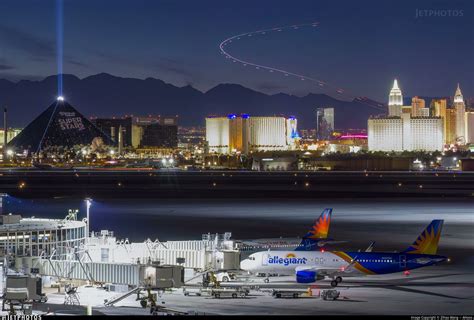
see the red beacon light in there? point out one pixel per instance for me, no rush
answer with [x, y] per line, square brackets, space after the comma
[406, 273]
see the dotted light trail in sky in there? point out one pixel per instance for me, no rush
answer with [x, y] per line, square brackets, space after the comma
[320, 83]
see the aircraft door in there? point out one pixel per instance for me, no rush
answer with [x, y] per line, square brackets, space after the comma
[403, 261]
[265, 258]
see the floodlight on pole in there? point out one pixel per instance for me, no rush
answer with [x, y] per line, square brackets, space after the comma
[88, 206]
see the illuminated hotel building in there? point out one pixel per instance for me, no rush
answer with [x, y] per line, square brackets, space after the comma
[11, 133]
[385, 134]
[438, 109]
[217, 134]
[450, 137]
[246, 134]
[469, 124]
[238, 133]
[324, 123]
[267, 133]
[418, 108]
[460, 108]
[404, 131]
[395, 101]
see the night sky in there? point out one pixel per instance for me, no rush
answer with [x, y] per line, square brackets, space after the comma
[359, 45]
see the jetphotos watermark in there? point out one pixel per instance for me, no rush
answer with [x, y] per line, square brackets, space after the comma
[438, 13]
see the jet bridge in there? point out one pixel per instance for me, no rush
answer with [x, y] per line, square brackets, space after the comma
[157, 276]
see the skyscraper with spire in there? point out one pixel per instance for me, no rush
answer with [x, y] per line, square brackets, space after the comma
[460, 108]
[395, 101]
[402, 131]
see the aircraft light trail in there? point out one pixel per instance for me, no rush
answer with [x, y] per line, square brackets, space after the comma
[286, 73]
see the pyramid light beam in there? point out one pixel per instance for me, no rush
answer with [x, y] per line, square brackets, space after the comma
[59, 44]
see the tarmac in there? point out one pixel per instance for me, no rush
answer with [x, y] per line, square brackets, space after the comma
[428, 291]
[446, 289]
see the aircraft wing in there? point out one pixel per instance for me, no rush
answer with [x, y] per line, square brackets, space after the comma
[328, 272]
[322, 243]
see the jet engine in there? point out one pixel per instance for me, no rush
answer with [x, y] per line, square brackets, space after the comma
[307, 276]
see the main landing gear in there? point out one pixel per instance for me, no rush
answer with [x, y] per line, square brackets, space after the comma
[336, 281]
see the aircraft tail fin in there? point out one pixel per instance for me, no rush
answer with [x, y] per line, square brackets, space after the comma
[320, 228]
[319, 231]
[427, 241]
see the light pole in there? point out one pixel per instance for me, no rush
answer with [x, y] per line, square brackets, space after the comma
[88, 206]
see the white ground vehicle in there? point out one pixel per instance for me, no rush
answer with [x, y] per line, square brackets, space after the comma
[277, 293]
[229, 293]
[330, 294]
[192, 291]
[224, 276]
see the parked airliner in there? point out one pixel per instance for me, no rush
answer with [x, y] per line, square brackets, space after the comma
[315, 238]
[310, 266]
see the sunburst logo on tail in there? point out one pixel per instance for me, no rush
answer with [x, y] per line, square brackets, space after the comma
[427, 241]
[320, 229]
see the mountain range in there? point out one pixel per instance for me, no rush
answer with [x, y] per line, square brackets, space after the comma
[105, 95]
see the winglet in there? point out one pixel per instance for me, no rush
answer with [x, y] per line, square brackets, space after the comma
[370, 247]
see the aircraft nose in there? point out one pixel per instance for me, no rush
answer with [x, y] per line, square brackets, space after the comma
[246, 265]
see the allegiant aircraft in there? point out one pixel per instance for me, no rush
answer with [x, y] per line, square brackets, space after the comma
[310, 266]
[315, 238]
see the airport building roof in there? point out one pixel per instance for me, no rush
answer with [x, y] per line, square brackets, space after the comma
[36, 224]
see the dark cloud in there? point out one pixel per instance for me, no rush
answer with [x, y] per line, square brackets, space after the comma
[76, 63]
[18, 77]
[173, 66]
[26, 42]
[4, 67]
[161, 64]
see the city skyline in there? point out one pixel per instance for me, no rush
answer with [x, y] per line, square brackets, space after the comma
[232, 98]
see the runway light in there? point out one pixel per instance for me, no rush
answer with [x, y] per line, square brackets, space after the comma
[448, 260]
[406, 273]
[60, 98]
